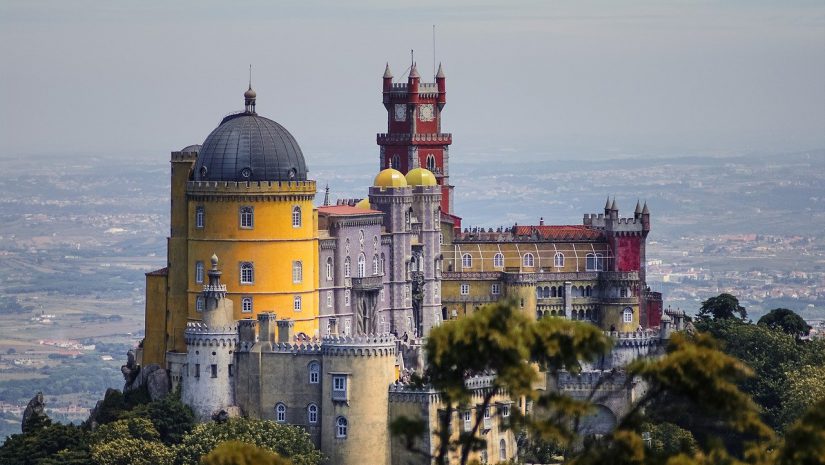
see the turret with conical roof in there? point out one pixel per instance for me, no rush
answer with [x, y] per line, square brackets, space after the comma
[441, 83]
[387, 78]
[637, 213]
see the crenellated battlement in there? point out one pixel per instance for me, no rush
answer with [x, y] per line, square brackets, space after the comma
[413, 139]
[250, 187]
[184, 156]
[586, 380]
[199, 334]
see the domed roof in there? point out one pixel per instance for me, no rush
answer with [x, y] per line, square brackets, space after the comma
[421, 177]
[390, 178]
[248, 147]
[364, 204]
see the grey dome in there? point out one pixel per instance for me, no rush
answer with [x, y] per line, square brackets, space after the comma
[248, 147]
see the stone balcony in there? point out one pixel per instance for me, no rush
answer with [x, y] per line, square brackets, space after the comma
[368, 283]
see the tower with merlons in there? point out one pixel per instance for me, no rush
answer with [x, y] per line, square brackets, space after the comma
[414, 138]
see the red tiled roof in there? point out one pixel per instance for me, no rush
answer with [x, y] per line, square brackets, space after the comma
[343, 210]
[559, 232]
[161, 272]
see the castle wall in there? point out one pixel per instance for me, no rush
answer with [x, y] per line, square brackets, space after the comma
[154, 350]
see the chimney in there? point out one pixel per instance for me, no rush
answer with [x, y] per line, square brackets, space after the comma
[266, 323]
[285, 330]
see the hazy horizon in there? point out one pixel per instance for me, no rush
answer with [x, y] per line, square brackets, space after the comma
[541, 80]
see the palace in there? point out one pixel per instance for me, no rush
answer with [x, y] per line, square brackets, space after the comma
[271, 307]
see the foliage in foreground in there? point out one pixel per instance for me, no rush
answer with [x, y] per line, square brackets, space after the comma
[239, 453]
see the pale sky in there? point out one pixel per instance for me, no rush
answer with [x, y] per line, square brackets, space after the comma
[536, 79]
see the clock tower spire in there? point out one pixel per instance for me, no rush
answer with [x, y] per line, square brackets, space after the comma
[414, 138]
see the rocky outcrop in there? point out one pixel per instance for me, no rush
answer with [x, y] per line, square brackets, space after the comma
[35, 413]
[154, 378]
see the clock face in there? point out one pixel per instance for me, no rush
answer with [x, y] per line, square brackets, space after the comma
[425, 112]
[401, 112]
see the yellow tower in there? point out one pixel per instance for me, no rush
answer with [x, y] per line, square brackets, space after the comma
[247, 200]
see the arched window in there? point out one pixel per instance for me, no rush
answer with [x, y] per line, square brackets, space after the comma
[246, 304]
[296, 216]
[588, 291]
[431, 162]
[297, 271]
[383, 265]
[558, 260]
[375, 264]
[314, 372]
[498, 260]
[528, 260]
[466, 261]
[553, 292]
[546, 291]
[312, 414]
[329, 268]
[347, 267]
[296, 303]
[346, 297]
[199, 303]
[395, 162]
[329, 298]
[341, 428]
[590, 262]
[198, 272]
[280, 413]
[502, 450]
[247, 273]
[362, 266]
[627, 315]
[247, 217]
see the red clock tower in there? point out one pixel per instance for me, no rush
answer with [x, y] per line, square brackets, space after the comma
[414, 138]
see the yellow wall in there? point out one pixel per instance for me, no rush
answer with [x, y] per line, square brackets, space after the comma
[271, 245]
[155, 321]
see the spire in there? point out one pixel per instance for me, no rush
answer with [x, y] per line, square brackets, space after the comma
[645, 210]
[326, 191]
[638, 207]
[387, 72]
[215, 289]
[249, 96]
[440, 73]
[607, 203]
[414, 71]
[613, 205]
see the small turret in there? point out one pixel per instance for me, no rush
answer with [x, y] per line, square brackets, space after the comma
[638, 212]
[412, 84]
[645, 218]
[607, 207]
[441, 82]
[387, 78]
[614, 209]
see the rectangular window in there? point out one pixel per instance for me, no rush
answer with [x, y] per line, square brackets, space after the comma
[229, 370]
[214, 369]
[465, 289]
[346, 297]
[296, 303]
[246, 217]
[347, 327]
[199, 304]
[339, 387]
[197, 370]
[505, 411]
[199, 217]
[247, 273]
[297, 271]
[329, 298]
[199, 272]
[495, 289]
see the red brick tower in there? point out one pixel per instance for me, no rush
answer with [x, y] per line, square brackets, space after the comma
[414, 138]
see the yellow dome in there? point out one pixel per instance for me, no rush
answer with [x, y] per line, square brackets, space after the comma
[421, 177]
[390, 178]
[363, 204]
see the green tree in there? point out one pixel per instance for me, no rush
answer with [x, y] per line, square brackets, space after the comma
[722, 307]
[171, 417]
[805, 387]
[291, 442]
[500, 340]
[131, 451]
[134, 428]
[787, 321]
[46, 442]
[805, 440]
[239, 453]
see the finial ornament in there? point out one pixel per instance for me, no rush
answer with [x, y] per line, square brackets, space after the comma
[249, 96]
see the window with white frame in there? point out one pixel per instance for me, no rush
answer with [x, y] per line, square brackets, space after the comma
[200, 217]
[297, 271]
[468, 416]
[339, 387]
[347, 267]
[314, 372]
[505, 411]
[346, 297]
[487, 413]
[296, 216]
[329, 298]
[362, 266]
[465, 289]
[383, 265]
[329, 268]
[592, 262]
[296, 303]
[528, 260]
[247, 273]
[198, 272]
[466, 261]
[375, 265]
[495, 289]
[247, 217]
[431, 162]
[502, 450]
[484, 456]
[347, 327]
[199, 304]
[312, 414]
[280, 413]
[558, 260]
[627, 315]
[341, 428]
[498, 260]
[440, 238]
[246, 304]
